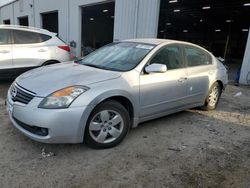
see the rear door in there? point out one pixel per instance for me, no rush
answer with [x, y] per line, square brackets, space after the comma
[5, 49]
[199, 69]
[161, 92]
[29, 49]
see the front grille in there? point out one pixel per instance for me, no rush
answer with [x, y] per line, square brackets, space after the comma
[19, 94]
[33, 129]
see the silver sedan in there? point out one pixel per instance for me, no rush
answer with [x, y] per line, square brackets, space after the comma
[100, 97]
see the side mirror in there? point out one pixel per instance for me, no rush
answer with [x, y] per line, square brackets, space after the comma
[156, 68]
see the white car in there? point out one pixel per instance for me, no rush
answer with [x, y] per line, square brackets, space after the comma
[23, 48]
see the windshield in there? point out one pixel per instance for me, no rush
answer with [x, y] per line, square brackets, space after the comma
[122, 56]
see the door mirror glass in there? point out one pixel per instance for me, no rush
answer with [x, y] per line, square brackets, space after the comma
[156, 68]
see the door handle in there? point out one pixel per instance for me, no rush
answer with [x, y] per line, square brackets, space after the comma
[182, 79]
[41, 50]
[4, 51]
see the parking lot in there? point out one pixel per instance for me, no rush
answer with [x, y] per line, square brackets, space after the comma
[189, 149]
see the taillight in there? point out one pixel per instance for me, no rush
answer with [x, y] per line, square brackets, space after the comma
[66, 48]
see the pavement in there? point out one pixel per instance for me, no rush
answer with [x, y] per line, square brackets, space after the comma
[192, 148]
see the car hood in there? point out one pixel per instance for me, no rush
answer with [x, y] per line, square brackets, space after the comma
[46, 80]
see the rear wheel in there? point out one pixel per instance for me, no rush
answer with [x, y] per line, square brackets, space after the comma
[213, 97]
[107, 125]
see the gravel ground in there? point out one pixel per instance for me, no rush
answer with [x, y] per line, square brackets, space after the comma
[188, 149]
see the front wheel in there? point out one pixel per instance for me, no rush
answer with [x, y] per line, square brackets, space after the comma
[107, 125]
[213, 97]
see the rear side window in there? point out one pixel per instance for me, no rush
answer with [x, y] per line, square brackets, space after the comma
[197, 57]
[4, 36]
[170, 56]
[44, 37]
[27, 37]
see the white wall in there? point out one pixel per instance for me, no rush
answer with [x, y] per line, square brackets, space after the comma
[125, 19]
[7, 13]
[33, 9]
[45, 6]
[17, 9]
[245, 68]
[148, 18]
[23, 8]
[5, 2]
[136, 19]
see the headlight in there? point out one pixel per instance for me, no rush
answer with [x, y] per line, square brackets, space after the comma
[62, 98]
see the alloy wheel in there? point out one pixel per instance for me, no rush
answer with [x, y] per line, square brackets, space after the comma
[106, 126]
[213, 96]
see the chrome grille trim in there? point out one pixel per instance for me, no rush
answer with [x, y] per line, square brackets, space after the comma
[22, 95]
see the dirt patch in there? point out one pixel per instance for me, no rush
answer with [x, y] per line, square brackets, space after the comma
[188, 149]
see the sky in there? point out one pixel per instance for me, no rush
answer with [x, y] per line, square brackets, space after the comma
[2, 2]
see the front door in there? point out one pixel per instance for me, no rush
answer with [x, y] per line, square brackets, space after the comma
[161, 92]
[28, 51]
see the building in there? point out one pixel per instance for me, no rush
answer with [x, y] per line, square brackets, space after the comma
[220, 26]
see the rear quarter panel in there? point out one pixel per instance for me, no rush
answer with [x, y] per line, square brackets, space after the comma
[54, 52]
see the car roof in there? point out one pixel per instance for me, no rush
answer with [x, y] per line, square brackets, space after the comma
[27, 28]
[153, 41]
[156, 41]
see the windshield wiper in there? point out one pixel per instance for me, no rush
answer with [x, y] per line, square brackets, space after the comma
[91, 65]
[99, 67]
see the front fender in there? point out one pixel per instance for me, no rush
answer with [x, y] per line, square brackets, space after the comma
[118, 93]
[102, 97]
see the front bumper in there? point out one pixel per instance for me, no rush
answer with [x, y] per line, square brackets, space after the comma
[63, 125]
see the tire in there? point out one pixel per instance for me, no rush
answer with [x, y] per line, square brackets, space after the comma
[248, 78]
[213, 97]
[107, 125]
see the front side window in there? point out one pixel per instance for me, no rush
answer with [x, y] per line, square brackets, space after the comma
[4, 36]
[122, 56]
[27, 37]
[169, 56]
[196, 57]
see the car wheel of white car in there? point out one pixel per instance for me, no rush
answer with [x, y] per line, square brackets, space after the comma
[213, 96]
[107, 125]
